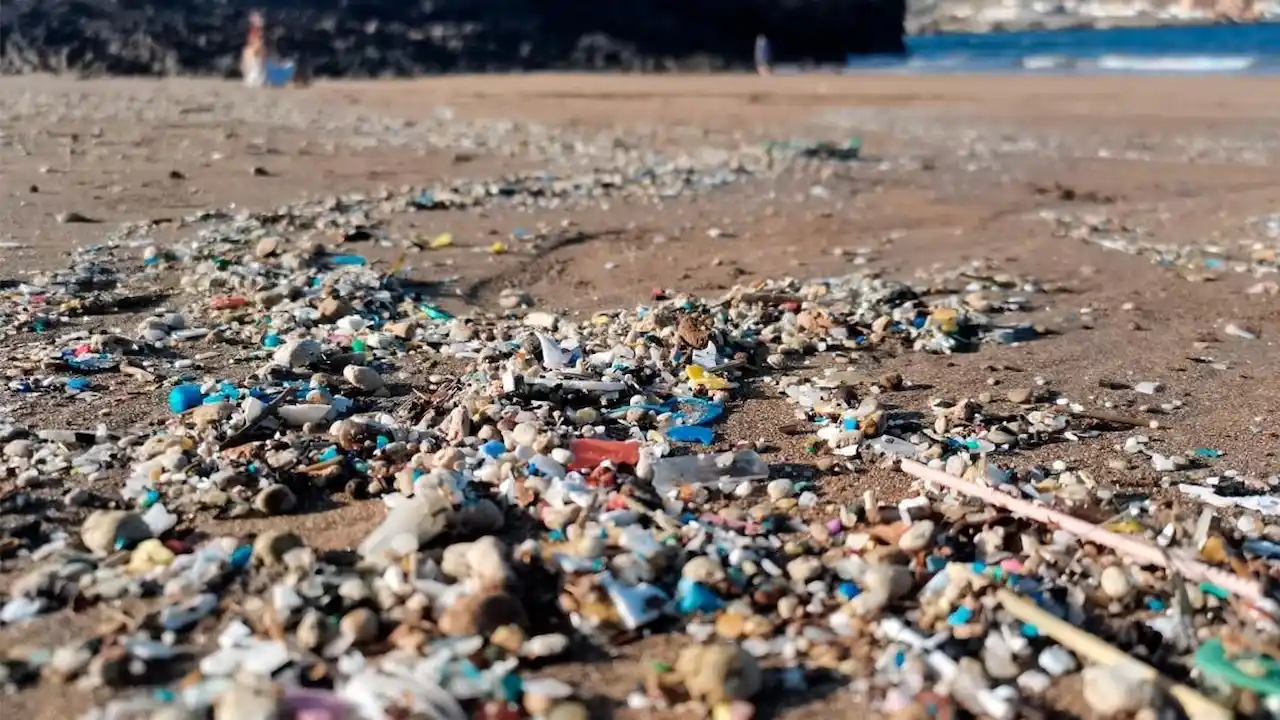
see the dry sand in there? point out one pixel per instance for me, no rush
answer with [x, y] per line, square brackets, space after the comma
[956, 169]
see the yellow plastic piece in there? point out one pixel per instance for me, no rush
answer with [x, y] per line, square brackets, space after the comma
[1127, 526]
[149, 554]
[945, 319]
[699, 377]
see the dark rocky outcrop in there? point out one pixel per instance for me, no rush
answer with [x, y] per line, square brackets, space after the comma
[403, 37]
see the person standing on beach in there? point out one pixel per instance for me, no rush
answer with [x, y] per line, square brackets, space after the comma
[764, 59]
[253, 58]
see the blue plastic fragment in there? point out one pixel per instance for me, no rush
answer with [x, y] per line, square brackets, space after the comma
[848, 590]
[184, 397]
[1261, 548]
[78, 384]
[1018, 333]
[89, 362]
[695, 597]
[696, 411]
[493, 448]
[436, 313]
[164, 695]
[736, 575]
[151, 497]
[692, 434]
[684, 410]
[512, 687]
[241, 556]
[347, 260]
[1215, 591]
[960, 616]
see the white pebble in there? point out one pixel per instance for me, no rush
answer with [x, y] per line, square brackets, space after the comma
[780, 488]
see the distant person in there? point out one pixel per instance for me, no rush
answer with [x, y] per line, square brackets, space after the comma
[258, 65]
[764, 56]
[253, 59]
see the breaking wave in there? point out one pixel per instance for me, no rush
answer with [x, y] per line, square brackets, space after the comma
[1191, 50]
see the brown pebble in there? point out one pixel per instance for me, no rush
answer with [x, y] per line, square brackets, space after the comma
[105, 530]
[360, 626]
[482, 613]
[508, 637]
[891, 381]
[267, 246]
[270, 547]
[408, 637]
[275, 500]
[730, 625]
[715, 673]
[757, 626]
[1019, 395]
[568, 710]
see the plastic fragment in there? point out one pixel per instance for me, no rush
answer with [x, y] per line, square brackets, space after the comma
[185, 397]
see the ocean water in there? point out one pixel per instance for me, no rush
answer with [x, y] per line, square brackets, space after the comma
[1186, 49]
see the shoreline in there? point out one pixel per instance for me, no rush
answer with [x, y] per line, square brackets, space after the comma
[969, 26]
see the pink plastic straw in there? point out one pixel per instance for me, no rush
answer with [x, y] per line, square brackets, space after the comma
[1142, 552]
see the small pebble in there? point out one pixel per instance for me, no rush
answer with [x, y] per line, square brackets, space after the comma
[917, 537]
[363, 378]
[780, 488]
[1057, 661]
[275, 499]
[1115, 582]
[1111, 690]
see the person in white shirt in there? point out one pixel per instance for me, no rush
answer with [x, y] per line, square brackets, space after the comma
[764, 61]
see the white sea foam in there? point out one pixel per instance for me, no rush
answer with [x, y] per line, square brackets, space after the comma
[1058, 63]
[1177, 63]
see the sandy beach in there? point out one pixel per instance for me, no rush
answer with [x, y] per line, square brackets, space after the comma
[1036, 177]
